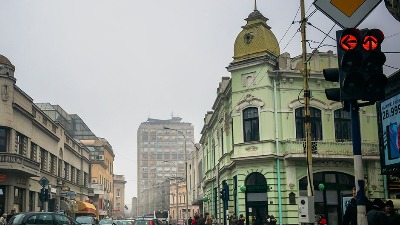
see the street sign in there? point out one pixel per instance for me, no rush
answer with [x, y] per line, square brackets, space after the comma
[345, 13]
[43, 181]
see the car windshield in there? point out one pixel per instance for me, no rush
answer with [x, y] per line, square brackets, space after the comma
[84, 219]
[16, 219]
[142, 222]
[105, 222]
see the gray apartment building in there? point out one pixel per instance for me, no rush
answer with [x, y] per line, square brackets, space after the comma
[161, 148]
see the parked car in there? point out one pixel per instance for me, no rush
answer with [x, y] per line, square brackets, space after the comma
[106, 222]
[86, 220]
[123, 222]
[42, 218]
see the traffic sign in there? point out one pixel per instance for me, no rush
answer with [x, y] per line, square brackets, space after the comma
[43, 181]
[345, 13]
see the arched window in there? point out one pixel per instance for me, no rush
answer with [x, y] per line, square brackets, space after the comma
[316, 123]
[250, 125]
[256, 179]
[342, 121]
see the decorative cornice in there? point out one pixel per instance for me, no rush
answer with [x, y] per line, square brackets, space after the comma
[251, 148]
[249, 100]
[313, 102]
[332, 164]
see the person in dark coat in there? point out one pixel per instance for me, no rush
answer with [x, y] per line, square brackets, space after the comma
[11, 214]
[241, 220]
[190, 221]
[376, 216]
[350, 215]
[392, 216]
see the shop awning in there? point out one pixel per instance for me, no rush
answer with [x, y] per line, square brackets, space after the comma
[85, 207]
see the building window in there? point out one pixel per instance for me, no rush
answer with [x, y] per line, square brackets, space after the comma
[33, 153]
[78, 174]
[43, 159]
[3, 139]
[53, 164]
[20, 144]
[118, 192]
[60, 168]
[66, 171]
[342, 125]
[250, 125]
[316, 123]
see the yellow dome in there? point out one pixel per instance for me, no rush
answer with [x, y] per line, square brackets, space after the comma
[256, 39]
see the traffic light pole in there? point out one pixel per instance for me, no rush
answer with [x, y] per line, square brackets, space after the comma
[358, 165]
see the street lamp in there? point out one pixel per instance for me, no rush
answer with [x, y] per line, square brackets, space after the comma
[186, 173]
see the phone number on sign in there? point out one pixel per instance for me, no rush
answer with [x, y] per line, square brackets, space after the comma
[392, 111]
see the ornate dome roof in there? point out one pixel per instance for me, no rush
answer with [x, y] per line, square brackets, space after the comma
[256, 39]
[5, 61]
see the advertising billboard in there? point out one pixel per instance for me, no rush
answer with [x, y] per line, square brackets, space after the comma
[388, 112]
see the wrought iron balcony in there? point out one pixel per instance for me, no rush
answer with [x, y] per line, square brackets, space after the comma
[327, 147]
[10, 161]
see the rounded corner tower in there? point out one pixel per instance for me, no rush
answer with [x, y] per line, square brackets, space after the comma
[6, 67]
[256, 39]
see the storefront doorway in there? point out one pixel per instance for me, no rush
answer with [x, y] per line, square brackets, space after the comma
[330, 201]
[256, 199]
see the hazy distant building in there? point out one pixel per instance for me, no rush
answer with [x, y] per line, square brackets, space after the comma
[134, 210]
[119, 196]
[161, 154]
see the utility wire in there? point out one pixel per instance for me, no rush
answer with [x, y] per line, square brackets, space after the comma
[321, 31]
[321, 42]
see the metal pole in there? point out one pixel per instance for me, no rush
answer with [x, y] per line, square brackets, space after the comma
[186, 177]
[177, 207]
[358, 165]
[307, 95]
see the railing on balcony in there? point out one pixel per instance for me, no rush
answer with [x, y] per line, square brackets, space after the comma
[327, 147]
[6, 157]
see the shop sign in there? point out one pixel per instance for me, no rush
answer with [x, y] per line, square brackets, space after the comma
[3, 177]
[91, 192]
[257, 188]
[53, 190]
[102, 212]
[68, 193]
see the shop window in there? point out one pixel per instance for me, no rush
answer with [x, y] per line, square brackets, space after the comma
[250, 125]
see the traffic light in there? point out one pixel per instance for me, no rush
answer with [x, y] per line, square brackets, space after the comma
[332, 74]
[46, 195]
[42, 195]
[222, 194]
[361, 65]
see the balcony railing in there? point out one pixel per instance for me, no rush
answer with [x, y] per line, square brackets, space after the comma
[19, 159]
[326, 147]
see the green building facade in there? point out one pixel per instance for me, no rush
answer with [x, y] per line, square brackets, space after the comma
[253, 139]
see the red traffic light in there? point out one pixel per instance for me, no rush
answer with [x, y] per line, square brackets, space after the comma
[349, 39]
[372, 39]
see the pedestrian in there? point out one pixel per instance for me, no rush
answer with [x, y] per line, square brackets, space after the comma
[267, 220]
[209, 220]
[190, 221]
[392, 216]
[253, 220]
[201, 220]
[195, 218]
[272, 220]
[241, 220]
[233, 220]
[376, 216]
[3, 219]
[11, 214]
[322, 220]
[350, 215]
[214, 220]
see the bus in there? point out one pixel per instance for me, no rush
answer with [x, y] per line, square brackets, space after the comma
[163, 216]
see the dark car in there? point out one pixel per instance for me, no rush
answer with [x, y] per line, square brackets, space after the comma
[42, 218]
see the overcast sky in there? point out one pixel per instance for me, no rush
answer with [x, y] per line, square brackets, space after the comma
[116, 63]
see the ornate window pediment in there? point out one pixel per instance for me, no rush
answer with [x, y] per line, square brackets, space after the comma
[247, 101]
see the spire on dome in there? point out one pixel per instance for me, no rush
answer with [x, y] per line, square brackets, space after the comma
[255, 5]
